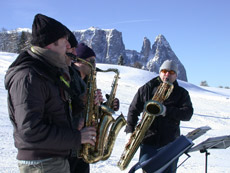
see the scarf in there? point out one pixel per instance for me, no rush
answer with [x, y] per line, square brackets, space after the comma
[53, 58]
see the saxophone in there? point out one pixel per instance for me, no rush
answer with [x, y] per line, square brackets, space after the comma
[152, 109]
[107, 111]
[101, 118]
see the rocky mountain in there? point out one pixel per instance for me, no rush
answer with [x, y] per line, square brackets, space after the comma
[15, 41]
[108, 46]
[160, 52]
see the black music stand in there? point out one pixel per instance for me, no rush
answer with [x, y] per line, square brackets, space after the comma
[197, 132]
[159, 162]
[221, 142]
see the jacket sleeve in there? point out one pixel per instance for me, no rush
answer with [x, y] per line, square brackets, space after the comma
[184, 109]
[135, 109]
[29, 97]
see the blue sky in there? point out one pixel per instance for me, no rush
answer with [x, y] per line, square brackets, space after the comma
[198, 31]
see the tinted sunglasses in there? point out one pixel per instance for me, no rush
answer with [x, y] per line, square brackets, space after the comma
[92, 61]
[170, 71]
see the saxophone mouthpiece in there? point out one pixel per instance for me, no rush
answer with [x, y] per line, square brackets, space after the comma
[72, 56]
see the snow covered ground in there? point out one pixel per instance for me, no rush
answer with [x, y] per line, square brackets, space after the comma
[211, 108]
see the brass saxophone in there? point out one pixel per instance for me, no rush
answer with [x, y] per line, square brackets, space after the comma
[101, 118]
[153, 108]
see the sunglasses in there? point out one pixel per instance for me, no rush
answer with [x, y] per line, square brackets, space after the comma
[170, 71]
[92, 61]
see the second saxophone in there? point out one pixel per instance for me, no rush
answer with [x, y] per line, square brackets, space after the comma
[101, 118]
[152, 109]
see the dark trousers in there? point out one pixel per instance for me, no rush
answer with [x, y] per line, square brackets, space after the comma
[147, 151]
[78, 165]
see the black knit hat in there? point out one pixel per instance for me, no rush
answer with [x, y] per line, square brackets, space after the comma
[72, 39]
[83, 51]
[46, 30]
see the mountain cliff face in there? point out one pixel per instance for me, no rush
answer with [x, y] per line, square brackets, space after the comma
[160, 52]
[108, 46]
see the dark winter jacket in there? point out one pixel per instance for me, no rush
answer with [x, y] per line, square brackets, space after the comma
[79, 87]
[38, 109]
[163, 129]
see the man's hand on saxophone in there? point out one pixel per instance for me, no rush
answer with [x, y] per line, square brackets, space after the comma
[80, 123]
[98, 97]
[115, 103]
[88, 135]
[100, 100]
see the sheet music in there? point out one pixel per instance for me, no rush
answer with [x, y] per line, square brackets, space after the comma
[197, 132]
[221, 142]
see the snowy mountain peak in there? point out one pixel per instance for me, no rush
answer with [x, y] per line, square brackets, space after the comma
[20, 30]
[160, 52]
[93, 28]
[162, 42]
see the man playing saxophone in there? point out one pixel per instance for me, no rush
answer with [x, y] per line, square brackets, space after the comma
[82, 68]
[165, 128]
[86, 53]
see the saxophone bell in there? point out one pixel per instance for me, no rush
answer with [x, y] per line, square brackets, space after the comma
[153, 107]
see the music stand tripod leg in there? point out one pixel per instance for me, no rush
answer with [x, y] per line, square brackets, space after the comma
[206, 158]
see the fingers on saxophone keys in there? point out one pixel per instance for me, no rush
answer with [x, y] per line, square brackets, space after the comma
[92, 135]
[91, 140]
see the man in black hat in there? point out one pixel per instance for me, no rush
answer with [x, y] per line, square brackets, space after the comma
[87, 54]
[39, 101]
[165, 127]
